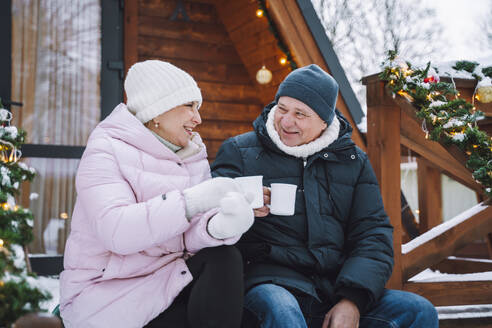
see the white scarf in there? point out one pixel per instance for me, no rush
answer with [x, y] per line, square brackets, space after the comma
[303, 151]
[194, 147]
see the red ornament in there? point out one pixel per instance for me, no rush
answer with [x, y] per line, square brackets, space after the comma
[431, 79]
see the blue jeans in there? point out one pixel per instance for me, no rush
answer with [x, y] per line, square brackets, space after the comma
[272, 306]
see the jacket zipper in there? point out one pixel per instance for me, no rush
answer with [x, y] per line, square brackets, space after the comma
[185, 255]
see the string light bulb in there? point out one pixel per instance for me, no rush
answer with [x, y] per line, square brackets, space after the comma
[64, 215]
[283, 61]
[484, 94]
[1, 242]
[259, 13]
[263, 76]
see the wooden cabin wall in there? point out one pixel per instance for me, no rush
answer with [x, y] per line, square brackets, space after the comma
[202, 47]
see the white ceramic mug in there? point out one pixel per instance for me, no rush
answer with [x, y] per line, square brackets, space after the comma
[283, 199]
[254, 185]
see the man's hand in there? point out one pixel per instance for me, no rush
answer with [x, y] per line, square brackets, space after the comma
[263, 211]
[344, 314]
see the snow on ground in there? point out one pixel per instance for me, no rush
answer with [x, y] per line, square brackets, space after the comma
[52, 285]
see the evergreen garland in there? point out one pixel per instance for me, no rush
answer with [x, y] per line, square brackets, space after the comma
[276, 34]
[446, 117]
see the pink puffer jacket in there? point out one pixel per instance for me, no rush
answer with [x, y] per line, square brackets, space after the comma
[124, 257]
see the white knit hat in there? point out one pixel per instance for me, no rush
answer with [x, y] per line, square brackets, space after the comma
[153, 87]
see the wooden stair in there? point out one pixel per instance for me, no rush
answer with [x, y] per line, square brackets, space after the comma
[393, 124]
[465, 316]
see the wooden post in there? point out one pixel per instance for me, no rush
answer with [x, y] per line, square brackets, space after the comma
[489, 244]
[430, 195]
[383, 146]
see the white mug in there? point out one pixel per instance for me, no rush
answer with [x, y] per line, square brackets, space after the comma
[254, 185]
[283, 199]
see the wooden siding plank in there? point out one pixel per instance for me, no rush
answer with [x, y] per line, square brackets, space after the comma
[255, 28]
[197, 12]
[225, 73]
[246, 113]
[212, 147]
[224, 92]
[235, 14]
[180, 30]
[221, 130]
[130, 34]
[191, 50]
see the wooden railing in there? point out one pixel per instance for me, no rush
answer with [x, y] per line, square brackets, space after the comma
[392, 124]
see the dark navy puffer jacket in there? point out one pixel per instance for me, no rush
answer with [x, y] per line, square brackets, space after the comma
[339, 241]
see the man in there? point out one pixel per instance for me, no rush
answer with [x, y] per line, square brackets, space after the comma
[327, 265]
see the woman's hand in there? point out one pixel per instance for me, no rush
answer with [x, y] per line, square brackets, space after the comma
[265, 210]
[234, 218]
[208, 194]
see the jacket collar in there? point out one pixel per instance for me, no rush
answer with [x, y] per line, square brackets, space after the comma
[303, 151]
[124, 126]
[342, 142]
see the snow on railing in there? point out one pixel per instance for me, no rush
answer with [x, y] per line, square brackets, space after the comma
[440, 229]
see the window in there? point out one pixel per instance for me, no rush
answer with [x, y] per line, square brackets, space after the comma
[66, 75]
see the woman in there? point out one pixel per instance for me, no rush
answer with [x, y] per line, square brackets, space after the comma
[142, 248]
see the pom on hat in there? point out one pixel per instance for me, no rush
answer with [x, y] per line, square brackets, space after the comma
[153, 87]
[314, 87]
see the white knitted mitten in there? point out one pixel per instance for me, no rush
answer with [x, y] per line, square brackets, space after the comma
[234, 218]
[207, 195]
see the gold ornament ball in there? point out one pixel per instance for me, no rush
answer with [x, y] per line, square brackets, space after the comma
[484, 94]
[263, 76]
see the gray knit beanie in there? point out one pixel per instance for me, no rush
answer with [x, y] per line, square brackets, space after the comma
[153, 87]
[314, 87]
